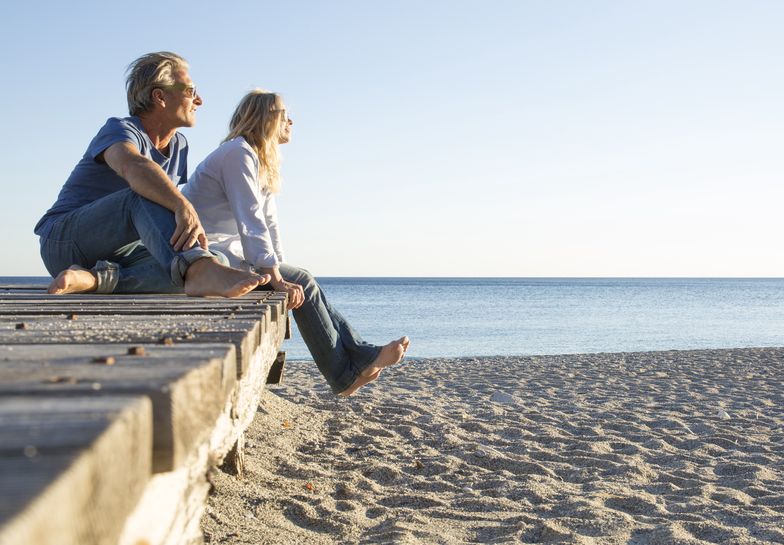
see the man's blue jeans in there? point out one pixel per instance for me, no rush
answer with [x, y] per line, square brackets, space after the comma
[339, 352]
[124, 238]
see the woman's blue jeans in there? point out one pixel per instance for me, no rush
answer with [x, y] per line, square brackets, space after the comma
[339, 352]
[124, 239]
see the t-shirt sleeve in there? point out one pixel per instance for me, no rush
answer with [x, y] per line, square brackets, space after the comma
[115, 130]
[182, 166]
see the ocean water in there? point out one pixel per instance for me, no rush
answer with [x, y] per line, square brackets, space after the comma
[526, 316]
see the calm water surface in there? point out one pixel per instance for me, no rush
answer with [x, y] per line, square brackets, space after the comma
[523, 316]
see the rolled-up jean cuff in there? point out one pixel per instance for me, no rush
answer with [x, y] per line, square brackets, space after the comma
[353, 371]
[108, 274]
[183, 260]
[220, 257]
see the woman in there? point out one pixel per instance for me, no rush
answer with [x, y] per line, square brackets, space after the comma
[233, 192]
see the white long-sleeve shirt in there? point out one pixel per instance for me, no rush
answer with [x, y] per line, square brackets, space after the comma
[240, 218]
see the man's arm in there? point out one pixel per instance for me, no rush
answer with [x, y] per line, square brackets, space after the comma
[148, 179]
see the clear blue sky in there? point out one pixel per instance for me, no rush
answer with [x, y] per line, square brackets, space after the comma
[444, 138]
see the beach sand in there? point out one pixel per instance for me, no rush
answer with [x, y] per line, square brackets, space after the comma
[680, 447]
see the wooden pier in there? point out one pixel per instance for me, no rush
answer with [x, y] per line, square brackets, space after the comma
[114, 408]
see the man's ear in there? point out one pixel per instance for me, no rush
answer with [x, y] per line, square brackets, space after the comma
[158, 97]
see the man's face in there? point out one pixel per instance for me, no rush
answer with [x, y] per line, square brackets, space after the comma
[182, 100]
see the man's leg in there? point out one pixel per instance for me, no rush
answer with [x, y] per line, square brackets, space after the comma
[92, 235]
[88, 234]
[140, 272]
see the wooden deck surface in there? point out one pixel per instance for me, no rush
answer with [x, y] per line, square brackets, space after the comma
[113, 407]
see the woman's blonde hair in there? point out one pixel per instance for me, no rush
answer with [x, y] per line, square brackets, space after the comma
[258, 118]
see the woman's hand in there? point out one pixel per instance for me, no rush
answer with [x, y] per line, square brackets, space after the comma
[296, 296]
[294, 291]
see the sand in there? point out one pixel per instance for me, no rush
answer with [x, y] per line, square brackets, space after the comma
[681, 447]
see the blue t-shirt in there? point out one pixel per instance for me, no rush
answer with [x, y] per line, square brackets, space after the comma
[92, 180]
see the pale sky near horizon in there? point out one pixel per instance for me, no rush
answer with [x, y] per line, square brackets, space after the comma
[444, 138]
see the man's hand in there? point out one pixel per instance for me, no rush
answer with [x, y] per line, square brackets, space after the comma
[189, 230]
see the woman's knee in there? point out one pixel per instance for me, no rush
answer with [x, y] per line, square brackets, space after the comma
[300, 277]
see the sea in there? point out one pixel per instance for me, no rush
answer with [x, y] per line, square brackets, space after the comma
[464, 317]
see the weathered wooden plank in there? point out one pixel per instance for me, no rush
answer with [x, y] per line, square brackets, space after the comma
[189, 385]
[245, 343]
[24, 283]
[126, 299]
[116, 302]
[6, 289]
[71, 469]
[171, 508]
[116, 328]
[193, 427]
[142, 322]
[244, 334]
[102, 309]
[16, 303]
[173, 504]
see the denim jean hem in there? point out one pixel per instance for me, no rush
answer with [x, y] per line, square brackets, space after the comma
[346, 379]
[352, 372]
[376, 350]
[182, 261]
[108, 275]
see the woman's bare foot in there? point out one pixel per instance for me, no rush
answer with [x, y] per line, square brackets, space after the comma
[207, 277]
[390, 354]
[74, 279]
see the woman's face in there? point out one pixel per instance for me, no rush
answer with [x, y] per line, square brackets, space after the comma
[285, 127]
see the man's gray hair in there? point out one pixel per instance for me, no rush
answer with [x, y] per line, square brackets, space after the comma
[148, 72]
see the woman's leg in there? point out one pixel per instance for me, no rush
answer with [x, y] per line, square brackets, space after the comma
[339, 352]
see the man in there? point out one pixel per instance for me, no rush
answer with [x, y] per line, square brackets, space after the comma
[119, 223]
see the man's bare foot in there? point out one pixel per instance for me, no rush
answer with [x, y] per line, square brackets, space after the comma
[207, 277]
[390, 354]
[74, 279]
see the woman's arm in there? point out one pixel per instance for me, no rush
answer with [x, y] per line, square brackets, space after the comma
[247, 202]
[239, 178]
[271, 214]
[278, 283]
